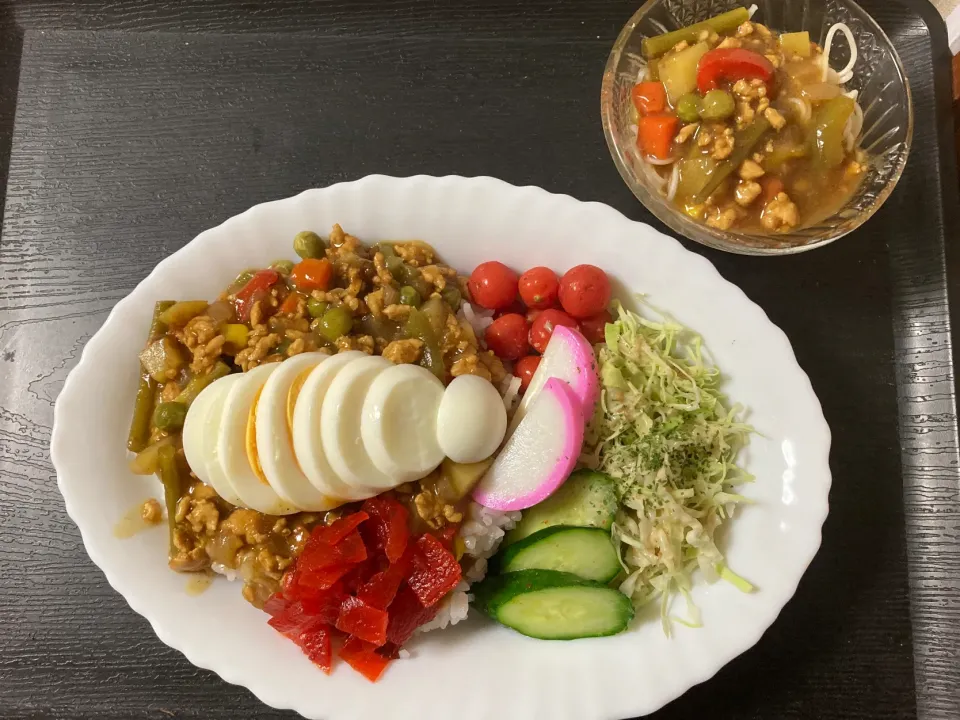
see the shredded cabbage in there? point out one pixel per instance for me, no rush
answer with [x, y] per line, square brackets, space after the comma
[663, 432]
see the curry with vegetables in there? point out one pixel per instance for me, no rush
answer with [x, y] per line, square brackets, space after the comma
[392, 299]
[746, 129]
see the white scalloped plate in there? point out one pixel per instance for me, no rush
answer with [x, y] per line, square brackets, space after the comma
[482, 670]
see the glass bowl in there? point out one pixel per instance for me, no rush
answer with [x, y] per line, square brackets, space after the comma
[879, 78]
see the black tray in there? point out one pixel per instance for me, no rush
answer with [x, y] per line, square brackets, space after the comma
[140, 124]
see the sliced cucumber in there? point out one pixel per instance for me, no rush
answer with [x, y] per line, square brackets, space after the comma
[583, 551]
[552, 605]
[587, 499]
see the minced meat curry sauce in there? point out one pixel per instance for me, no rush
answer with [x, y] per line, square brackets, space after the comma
[743, 128]
[393, 299]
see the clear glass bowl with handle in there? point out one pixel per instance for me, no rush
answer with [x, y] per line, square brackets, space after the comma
[878, 77]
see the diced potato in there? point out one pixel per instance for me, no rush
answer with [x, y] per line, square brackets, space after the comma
[161, 357]
[797, 43]
[678, 71]
[235, 336]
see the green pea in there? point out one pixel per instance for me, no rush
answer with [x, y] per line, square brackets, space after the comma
[282, 266]
[717, 105]
[688, 108]
[452, 296]
[335, 323]
[308, 244]
[410, 296]
[316, 308]
[170, 415]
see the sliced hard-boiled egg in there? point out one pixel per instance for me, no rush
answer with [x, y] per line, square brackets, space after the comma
[308, 427]
[200, 432]
[340, 425]
[471, 420]
[399, 422]
[237, 444]
[274, 421]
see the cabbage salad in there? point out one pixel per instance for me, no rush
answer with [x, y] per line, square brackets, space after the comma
[663, 432]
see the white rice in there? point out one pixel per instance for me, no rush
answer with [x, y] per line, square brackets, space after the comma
[510, 391]
[481, 534]
[478, 318]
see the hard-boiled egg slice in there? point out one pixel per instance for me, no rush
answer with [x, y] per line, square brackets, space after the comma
[399, 422]
[274, 420]
[200, 432]
[237, 444]
[340, 425]
[308, 426]
[471, 421]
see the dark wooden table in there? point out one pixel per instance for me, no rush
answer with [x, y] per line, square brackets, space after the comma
[137, 125]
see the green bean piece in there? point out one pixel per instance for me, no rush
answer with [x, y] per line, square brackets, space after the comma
[142, 412]
[172, 486]
[242, 279]
[386, 249]
[308, 244]
[395, 265]
[170, 415]
[316, 308]
[826, 140]
[717, 105]
[725, 23]
[688, 108]
[284, 346]
[451, 294]
[409, 296]
[158, 328]
[746, 140]
[418, 326]
[199, 382]
[335, 323]
[284, 267]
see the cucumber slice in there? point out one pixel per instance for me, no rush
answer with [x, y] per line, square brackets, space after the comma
[585, 552]
[587, 499]
[551, 605]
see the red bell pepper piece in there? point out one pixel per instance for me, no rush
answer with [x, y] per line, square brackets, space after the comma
[275, 604]
[388, 529]
[380, 589]
[448, 535]
[337, 531]
[256, 289]
[294, 620]
[290, 303]
[364, 658]
[312, 274]
[318, 555]
[323, 579]
[361, 573]
[363, 621]
[649, 98]
[732, 64]
[406, 615]
[435, 571]
[655, 134]
[315, 644]
[325, 604]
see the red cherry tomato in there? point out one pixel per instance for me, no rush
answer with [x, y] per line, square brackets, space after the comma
[593, 328]
[507, 336]
[493, 285]
[516, 307]
[543, 326]
[525, 368]
[538, 288]
[584, 291]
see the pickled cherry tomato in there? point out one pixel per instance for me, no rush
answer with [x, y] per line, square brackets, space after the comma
[543, 326]
[538, 288]
[507, 336]
[584, 291]
[493, 285]
[525, 368]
